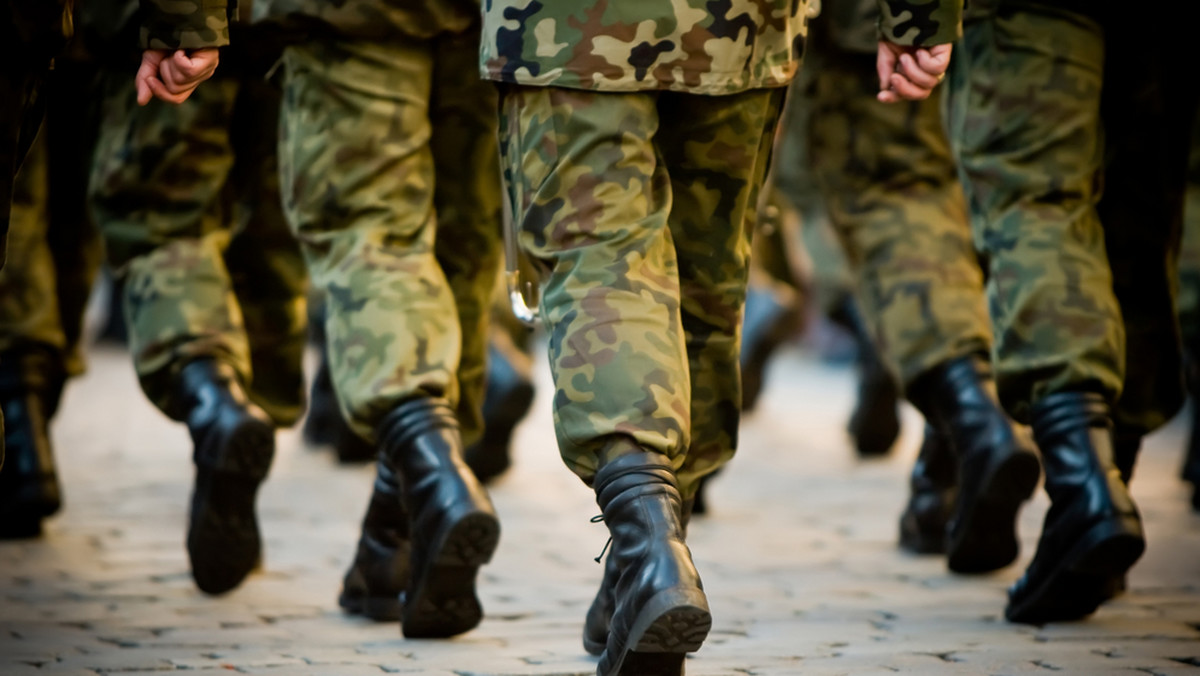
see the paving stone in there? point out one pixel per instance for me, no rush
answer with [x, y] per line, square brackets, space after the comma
[798, 558]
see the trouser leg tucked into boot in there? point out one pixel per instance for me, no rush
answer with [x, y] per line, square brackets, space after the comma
[997, 471]
[234, 444]
[933, 482]
[30, 384]
[380, 572]
[454, 529]
[659, 611]
[1092, 533]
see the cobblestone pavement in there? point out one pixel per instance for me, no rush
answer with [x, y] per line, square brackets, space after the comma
[798, 558]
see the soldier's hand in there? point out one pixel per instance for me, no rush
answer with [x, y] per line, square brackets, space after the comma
[910, 72]
[173, 75]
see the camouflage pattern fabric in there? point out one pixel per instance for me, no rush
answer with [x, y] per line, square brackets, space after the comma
[1035, 141]
[375, 20]
[56, 249]
[186, 24]
[187, 199]
[920, 23]
[695, 46]
[640, 207]
[891, 189]
[391, 182]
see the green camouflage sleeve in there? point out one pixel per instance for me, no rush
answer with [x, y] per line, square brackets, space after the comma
[920, 23]
[186, 24]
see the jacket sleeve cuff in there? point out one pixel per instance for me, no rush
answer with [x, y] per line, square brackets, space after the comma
[920, 23]
[204, 24]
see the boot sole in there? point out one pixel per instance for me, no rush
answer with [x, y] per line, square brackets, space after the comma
[986, 540]
[441, 602]
[1092, 572]
[374, 608]
[224, 544]
[670, 625]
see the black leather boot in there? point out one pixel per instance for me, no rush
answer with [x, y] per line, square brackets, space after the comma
[599, 614]
[660, 612]
[508, 397]
[997, 471]
[772, 315]
[454, 529]
[31, 383]
[934, 486]
[324, 424]
[380, 573]
[875, 421]
[234, 444]
[1092, 533]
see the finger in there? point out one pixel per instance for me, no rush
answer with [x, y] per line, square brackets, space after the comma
[174, 80]
[166, 95]
[887, 97]
[885, 65]
[932, 62]
[146, 71]
[906, 89]
[187, 66]
[910, 69]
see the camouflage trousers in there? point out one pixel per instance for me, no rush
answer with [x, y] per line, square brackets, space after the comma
[1043, 125]
[644, 229]
[1189, 256]
[391, 181]
[187, 199]
[55, 249]
[890, 186]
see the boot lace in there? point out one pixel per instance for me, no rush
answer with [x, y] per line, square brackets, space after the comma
[599, 518]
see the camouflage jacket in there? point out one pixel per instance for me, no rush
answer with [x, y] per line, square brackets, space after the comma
[697, 46]
[186, 24]
[369, 19]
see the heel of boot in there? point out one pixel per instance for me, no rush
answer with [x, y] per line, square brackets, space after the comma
[672, 622]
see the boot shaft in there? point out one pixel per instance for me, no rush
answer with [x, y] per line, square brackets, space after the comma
[1074, 432]
[421, 442]
[958, 398]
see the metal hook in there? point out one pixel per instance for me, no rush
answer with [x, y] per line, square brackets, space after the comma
[512, 278]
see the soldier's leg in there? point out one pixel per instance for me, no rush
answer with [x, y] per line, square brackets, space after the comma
[713, 212]
[358, 179]
[619, 362]
[591, 190]
[891, 187]
[1149, 112]
[468, 203]
[32, 357]
[264, 260]
[156, 191]
[43, 292]
[494, 388]
[874, 423]
[1025, 124]
[1188, 301]
[776, 291]
[73, 117]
